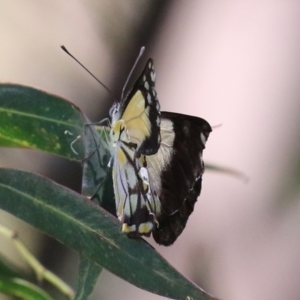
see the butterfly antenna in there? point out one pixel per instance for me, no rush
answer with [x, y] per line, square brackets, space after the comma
[132, 69]
[105, 87]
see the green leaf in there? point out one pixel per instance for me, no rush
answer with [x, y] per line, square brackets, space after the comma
[22, 289]
[95, 183]
[228, 171]
[97, 176]
[92, 232]
[8, 269]
[88, 275]
[34, 119]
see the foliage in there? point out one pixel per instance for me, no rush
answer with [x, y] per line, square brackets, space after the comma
[37, 120]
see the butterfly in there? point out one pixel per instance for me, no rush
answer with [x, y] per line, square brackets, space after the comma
[157, 162]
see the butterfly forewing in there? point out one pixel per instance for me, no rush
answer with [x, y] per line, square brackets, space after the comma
[140, 111]
[135, 132]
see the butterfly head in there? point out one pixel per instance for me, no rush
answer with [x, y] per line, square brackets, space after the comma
[113, 112]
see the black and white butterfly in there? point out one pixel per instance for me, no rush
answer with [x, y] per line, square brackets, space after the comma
[157, 162]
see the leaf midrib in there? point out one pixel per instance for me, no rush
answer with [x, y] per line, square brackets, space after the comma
[34, 116]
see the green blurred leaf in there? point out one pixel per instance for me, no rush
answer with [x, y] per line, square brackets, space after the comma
[22, 289]
[227, 171]
[34, 119]
[8, 269]
[92, 232]
[88, 275]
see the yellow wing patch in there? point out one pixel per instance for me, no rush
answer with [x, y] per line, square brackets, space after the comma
[127, 229]
[135, 107]
[121, 157]
[145, 228]
[137, 120]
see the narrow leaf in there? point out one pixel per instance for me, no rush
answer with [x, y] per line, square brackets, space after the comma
[97, 175]
[88, 275]
[30, 118]
[228, 171]
[92, 232]
[22, 289]
[94, 184]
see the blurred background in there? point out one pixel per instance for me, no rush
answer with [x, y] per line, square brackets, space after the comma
[232, 62]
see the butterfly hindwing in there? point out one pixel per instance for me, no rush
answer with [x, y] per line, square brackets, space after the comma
[176, 172]
[132, 193]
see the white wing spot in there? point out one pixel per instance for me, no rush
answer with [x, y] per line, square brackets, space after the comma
[143, 173]
[153, 76]
[144, 78]
[150, 65]
[146, 85]
[157, 120]
[149, 98]
[203, 139]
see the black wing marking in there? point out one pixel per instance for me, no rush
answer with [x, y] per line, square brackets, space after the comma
[146, 85]
[181, 174]
[132, 193]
